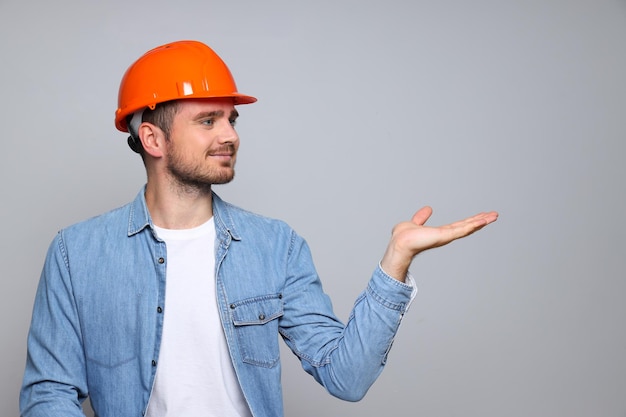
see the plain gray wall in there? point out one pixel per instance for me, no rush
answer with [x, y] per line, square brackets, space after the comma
[367, 110]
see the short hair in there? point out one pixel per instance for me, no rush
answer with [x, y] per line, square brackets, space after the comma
[162, 116]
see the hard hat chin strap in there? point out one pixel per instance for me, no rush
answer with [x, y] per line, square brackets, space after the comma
[133, 128]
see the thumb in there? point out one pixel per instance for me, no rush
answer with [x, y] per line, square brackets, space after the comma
[422, 215]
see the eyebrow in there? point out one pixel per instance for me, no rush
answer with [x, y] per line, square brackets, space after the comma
[216, 113]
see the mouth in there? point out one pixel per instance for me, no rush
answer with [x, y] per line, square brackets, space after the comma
[226, 153]
[227, 159]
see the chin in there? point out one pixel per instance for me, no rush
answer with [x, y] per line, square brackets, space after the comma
[223, 179]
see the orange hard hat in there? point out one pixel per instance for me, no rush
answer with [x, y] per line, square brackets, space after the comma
[177, 70]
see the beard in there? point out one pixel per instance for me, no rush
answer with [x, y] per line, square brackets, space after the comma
[198, 177]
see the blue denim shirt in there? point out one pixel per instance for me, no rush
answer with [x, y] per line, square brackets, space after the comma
[98, 315]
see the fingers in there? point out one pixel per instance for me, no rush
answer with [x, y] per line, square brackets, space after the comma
[484, 218]
[477, 219]
[472, 224]
[480, 219]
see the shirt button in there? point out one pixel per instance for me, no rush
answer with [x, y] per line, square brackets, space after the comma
[161, 260]
[159, 310]
[153, 363]
[261, 316]
[232, 306]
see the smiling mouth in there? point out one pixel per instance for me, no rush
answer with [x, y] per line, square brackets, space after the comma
[225, 152]
[222, 155]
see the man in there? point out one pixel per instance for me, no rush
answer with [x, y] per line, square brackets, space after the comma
[173, 304]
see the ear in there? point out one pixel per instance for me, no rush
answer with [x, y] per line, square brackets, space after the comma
[152, 139]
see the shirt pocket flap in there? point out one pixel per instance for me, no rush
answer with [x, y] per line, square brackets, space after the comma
[257, 310]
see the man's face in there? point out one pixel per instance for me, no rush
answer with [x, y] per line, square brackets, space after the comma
[203, 143]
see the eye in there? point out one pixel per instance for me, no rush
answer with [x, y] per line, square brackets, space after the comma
[208, 122]
[233, 122]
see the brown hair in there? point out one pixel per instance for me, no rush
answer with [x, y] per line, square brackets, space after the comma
[162, 116]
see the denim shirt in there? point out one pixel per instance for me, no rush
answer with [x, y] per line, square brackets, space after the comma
[98, 315]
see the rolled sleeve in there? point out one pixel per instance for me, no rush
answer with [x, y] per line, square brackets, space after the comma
[390, 292]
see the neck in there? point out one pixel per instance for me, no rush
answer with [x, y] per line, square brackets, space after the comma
[174, 206]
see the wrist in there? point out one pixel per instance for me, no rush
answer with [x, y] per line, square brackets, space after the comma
[395, 265]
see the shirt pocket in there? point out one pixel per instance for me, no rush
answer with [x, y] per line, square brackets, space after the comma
[256, 327]
[110, 331]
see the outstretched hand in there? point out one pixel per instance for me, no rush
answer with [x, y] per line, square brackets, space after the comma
[412, 237]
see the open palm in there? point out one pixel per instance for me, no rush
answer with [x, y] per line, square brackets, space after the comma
[412, 237]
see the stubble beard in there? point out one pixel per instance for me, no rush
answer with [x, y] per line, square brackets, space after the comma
[194, 178]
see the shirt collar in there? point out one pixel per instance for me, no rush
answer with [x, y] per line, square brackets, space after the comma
[139, 217]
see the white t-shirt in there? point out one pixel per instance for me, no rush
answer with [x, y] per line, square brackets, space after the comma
[195, 375]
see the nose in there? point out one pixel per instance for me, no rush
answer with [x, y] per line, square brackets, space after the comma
[228, 134]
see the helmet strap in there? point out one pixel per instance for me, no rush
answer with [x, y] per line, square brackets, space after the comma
[133, 128]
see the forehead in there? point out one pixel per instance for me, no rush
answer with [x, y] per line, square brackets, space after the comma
[191, 107]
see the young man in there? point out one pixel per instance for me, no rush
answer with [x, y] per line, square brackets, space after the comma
[173, 304]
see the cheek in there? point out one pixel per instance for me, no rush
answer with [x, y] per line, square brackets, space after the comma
[184, 154]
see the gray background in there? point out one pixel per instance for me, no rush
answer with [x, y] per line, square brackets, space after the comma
[367, 110]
